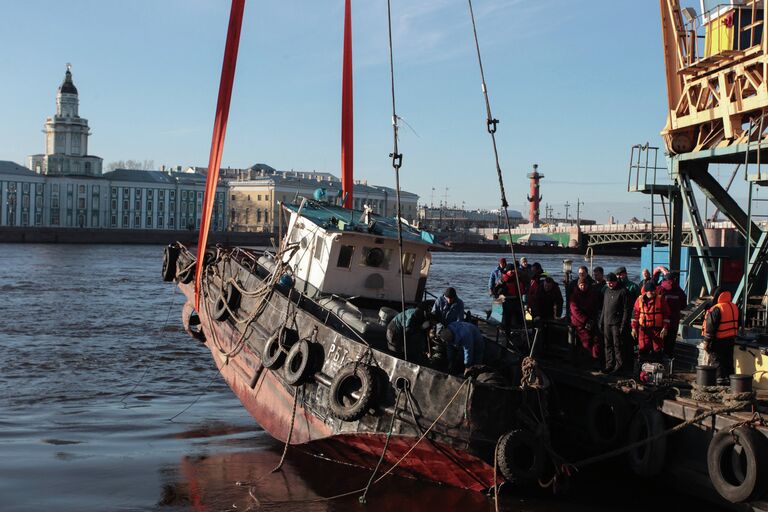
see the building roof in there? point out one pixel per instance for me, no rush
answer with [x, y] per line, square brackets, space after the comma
[67, 86]
[8, 167]
[335, 218]
[138, 176]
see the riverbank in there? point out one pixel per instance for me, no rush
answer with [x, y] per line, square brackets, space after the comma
[49, 235]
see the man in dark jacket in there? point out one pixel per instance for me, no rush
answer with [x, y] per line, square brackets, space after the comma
[415, 322]
[615, 319]
[449, 307]
[584, 307]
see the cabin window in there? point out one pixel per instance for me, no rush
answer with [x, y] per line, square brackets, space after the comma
[345, 256]
[408, 261]
[376, 257]
[319, 244]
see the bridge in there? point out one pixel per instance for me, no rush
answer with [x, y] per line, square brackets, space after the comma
[719, 233]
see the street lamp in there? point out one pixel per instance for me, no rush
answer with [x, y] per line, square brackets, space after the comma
[567, 269]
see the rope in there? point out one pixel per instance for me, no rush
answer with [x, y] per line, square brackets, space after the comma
[290, 431]
[397, 161]
[362, 499]
[147, 367]
[491, 125]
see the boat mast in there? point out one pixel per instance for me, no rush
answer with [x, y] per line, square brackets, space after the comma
[219, 131]
[347, 181]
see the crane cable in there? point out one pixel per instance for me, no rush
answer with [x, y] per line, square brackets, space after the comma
[491, 124]
[397, 162]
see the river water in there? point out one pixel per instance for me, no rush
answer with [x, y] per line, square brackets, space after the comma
[106, 405]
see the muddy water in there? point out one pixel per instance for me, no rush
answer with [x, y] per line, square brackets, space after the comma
[106, 405]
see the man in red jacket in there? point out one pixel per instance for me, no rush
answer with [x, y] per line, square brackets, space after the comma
[650, 322]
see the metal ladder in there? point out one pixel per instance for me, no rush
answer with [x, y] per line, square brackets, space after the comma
[643, 177]
[697, 231]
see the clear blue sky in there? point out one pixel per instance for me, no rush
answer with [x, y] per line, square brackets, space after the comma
[574, 82]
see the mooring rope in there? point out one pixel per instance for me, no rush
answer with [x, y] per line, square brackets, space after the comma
[290, 431]
[362, 498]
[491, 124]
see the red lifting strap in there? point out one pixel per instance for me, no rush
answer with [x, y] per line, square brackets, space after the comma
[347, 182]
[219, 131]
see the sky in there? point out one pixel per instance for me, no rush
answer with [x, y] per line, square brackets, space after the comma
[574, 83]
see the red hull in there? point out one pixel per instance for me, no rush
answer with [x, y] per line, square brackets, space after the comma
[270, 402]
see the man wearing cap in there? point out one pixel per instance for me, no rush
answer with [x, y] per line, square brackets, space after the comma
[413, 324]
[615, 319]
[632, 288]
[676, 300]
[449, 307]
[650, 322]
[496, 276]
[466, 337]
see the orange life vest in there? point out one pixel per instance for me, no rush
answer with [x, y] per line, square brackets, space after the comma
[729, 320]
[650, 312]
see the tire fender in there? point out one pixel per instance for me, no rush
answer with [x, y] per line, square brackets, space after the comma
[170, 258]
[351, 392]
[738, 464]
[521, 457]
[607, 417]
[298, 363]
[191, 322]
[272, 355]
[647, 460]
[227, 302]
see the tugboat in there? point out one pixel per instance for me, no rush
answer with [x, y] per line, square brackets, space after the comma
[300, 337]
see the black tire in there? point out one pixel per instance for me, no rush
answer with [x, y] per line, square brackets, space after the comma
[170, 257]
[352, 378]
[191, 322]
[607, 416]
[227, 302]
[492, 377]
[738, 464]
[272, 355]
[521, 457]
[648, 459]
[187, 273]
[298, 363]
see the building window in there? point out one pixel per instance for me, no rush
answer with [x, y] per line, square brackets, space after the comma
[125, 220]
[38, 218]
[54, 217]
[25, 188]
[137, 205]
[173, 194]
[170, 222]
[258, 197]
[137, 192]
[113, 221]
[137, 221]
[113, 204]
[55, 202]
[258, 216]
[149, 204]
[184, 195]
[94, 220]
[160, 221]
[266, 197]
[113, 192]
[149, 221]
[81, 189]
[266, 216]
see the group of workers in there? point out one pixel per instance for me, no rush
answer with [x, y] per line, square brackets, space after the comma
[608, 315]
[439, 336]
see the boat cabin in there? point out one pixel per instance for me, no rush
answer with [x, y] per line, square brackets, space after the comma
[352, 253]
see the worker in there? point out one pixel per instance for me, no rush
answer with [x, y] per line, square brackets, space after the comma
[646, 278]
[570, 286]
[632, 288]
[650, 323]
[449, 307]
[416, 324]
[615, 320]
[676, 300]
[466, 337]
[598, 274]
[549, 303]
[496, 276]
[585, 310]
[719, 330]
[507, 290]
